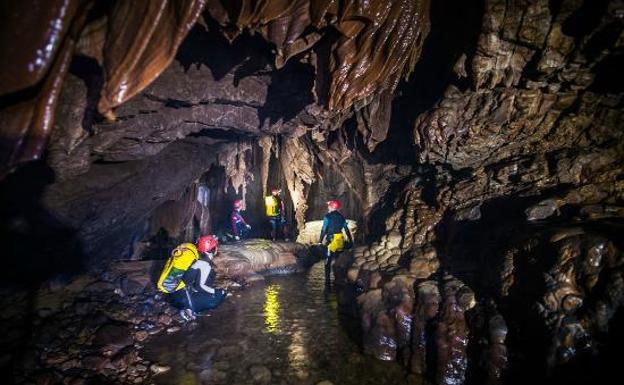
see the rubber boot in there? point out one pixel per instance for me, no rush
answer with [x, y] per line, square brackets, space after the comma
[328, 261]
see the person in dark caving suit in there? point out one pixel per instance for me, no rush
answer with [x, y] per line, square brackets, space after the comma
[334, 223]
[240, 228]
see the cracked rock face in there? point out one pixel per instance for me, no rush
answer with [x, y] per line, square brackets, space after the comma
[478, 147]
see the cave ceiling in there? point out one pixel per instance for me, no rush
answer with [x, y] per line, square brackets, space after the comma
[357, 50]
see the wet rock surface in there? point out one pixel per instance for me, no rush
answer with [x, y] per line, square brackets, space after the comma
[127, 56]
[576, 296]
[90, 330]
[311, 233]
[260, 256]
[488, 187]
[93, 328]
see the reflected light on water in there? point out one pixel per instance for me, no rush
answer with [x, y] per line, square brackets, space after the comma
[272, 308]
[297, 353]
[188, 378]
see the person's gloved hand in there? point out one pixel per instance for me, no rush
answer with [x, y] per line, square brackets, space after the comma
[237, 237]
[248, 227]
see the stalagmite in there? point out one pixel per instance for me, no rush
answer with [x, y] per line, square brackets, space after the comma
[426, 308]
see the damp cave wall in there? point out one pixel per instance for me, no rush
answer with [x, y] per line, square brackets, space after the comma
[499, 170]
[455, 30]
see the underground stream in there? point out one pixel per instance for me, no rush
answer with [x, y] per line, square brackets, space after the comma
[287, 330]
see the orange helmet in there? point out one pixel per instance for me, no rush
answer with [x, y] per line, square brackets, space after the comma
[334, 204]
[238, 203]
[207, 243]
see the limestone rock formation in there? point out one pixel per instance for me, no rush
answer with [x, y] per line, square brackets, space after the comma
[311, 232]
[254, 256]
[479, 147]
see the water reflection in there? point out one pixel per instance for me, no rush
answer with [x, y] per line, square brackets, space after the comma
[297, 352]
[188, 378]
[286, 332]
[272, 308]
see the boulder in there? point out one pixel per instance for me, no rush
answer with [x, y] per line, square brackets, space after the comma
[243, 259]
[310, 234]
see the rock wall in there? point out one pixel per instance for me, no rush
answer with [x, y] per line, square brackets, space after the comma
[487, 187]
[524, 138]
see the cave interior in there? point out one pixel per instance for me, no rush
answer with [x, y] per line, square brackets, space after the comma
[478, 148]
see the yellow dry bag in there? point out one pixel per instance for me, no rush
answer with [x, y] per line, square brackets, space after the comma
[337, 243]
[271, 204]
[182, 257]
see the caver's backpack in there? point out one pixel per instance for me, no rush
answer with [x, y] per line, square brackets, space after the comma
[182, 257]
[272, 206]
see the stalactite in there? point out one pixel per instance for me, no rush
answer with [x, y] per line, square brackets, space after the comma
[379, 41]
[496, 353]
[266, 143]
[134, 42]
[233, 159]
[143, 38]
[374, 119]
[204, 219]
[25, 126]
[298, 168]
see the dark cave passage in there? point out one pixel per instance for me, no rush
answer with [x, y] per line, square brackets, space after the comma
[475, 151]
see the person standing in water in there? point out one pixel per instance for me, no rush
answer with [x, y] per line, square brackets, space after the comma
[334, 229]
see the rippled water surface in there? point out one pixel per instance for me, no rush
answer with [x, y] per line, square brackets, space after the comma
[286, 331]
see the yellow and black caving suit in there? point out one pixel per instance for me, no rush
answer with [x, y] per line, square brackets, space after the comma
[333, 225]
[275, 212]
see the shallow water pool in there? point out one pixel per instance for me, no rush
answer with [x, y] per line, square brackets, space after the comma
[286, 331]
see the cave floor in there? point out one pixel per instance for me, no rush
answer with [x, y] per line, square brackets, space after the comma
[285, 331]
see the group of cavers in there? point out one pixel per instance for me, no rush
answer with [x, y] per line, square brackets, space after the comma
[188, 275]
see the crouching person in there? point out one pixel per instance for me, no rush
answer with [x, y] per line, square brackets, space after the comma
[188, 277]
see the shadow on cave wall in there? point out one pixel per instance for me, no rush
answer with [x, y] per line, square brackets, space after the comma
[290, 91]
[37, 246]
[38, 251]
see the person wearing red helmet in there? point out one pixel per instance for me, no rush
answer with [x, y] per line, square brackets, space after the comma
[240, 228]
[197, 293]
[334, 223]
[275, 211]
